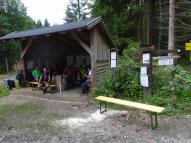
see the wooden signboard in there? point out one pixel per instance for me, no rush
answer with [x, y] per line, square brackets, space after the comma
[167, 61]
[188, 46]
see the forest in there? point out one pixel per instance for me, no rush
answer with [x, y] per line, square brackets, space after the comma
[145, 21]
[13, 17]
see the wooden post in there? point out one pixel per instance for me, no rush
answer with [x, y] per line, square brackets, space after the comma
[7, 66]
[24, 48]
[93, 45]
[148, 51]
[148, 90]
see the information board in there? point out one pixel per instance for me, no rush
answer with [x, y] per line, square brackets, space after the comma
[144, 79]
[166, 61]
[144, 70]
[146, 58]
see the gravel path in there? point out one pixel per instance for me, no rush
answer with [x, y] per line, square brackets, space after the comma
[64, 120]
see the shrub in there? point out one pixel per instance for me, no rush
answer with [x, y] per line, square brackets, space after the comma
[125, 81]
[172, 89]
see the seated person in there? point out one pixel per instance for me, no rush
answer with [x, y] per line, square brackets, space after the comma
[86, 84]
[44, 80]
[36, 73]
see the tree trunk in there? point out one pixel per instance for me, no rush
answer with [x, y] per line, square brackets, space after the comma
[171, 29]
[79, 10]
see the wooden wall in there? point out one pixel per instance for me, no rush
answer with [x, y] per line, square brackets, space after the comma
[101, 54]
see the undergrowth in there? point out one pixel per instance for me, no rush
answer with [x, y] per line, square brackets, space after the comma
[171, 88]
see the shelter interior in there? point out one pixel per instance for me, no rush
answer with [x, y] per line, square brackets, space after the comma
[57, 53]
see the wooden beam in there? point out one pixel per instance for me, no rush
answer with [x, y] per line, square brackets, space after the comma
[93, 23]
[26, 48]
[84, 45]
[93, 44]
[173, 51]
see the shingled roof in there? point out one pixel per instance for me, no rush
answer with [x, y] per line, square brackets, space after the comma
[52, 29]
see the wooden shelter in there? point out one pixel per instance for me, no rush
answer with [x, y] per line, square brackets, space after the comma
[53, 46]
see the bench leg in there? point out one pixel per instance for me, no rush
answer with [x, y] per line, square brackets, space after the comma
[154, 125]
[33, 87]
[102, 111]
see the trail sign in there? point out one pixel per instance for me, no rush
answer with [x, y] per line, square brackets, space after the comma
[144, 70]
[146, 58]
[167, 61]
[188, 46]
[144, 80]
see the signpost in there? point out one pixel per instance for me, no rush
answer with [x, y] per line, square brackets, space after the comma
[146, 69]
[146, 76]
[167, 61]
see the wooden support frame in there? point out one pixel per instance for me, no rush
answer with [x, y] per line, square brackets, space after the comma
[100, 107]
[84, 45]
[93, 45]
[154, 124]
[26, 48]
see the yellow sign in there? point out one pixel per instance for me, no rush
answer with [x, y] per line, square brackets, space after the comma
[188, 46]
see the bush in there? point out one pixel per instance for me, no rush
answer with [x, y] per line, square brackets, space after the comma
[171, 89]
[125, 81]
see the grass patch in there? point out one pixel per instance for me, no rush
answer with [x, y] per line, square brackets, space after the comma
[4, 91]
[23, 108]
[28, 107]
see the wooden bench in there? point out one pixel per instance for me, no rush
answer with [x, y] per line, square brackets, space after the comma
[153, 110]
[35, 84]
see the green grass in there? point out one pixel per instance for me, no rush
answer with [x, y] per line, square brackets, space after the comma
[4, 91]
[23, 108]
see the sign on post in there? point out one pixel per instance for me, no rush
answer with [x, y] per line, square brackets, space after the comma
[113, 59]
[188, 46]
[143, 70]
[144, 80]
[167, 61]
[146, 58]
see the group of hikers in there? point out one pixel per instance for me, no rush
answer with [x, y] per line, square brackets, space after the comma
[82, 76]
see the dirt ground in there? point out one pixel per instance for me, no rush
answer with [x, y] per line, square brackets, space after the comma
[75, 119]
[2, 77]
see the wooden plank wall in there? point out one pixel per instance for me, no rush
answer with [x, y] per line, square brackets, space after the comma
[102, 55]
[101, 68]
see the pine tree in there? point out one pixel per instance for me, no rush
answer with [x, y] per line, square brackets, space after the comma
[78, 10]
[39, 24]
[46, 23]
